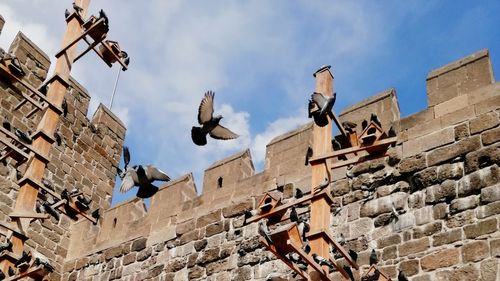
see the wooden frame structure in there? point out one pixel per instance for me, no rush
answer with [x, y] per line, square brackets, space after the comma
[36, 155]
[372, 143]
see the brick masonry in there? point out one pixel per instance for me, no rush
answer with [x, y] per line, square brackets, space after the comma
[443, 175]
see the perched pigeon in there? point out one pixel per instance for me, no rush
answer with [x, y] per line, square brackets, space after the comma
[45, 263]
[64, 107]
[309, 154]
[48, 184]
[102, 15]
[66, 14]
[373, 276]
[348, 270]
[392, 132]
[264, 231]
[298, 193]
[24, 137]
[7, 245]
[374, 119]
[25, 258]
[6, 124]
[373, 257]
[209, 123]
[353, 255]
[15, 66]
[349, 126]
[304, 227]
[364, 124]
[82, 202]
[58, 138]
[77, 8]
[293, 215]
[65, 196]
[322, 185]
[46, 207]
[402, 276]
[126, 62]
[11, 271]
[95, 214]
[342, 239]
[306, 247]
[336, 146]
[322, 261]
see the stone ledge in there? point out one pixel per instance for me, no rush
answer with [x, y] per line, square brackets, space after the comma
[458, 63]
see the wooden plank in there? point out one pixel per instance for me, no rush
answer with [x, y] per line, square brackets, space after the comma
[341, 152]
[31, 272]
[31, 215]
[339, 268]
[322, 272]
[13, 147]
[341, 249]
[78, 38]
[283, 259]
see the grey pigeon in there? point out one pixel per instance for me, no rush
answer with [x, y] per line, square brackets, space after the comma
[322, 185]
[7, 245]
[306, 247]
[402, 276]
[77, 8]
[303, 227]
[66, 14]
[64, 107]
[392, 132]
[309, 154]
[23, 137]
[298, 193]
[46, 207]
[374, 119]
[264, 231]
[11, 271]
[142, 176]
[373, 276]
[95, 214]
[293, 215]
[353, 255]
[349, 126]
[373, 257]
[322, 261]
[82, 202]
[342, 239]
[25, 258]
[15, 66]
[324, 105]
[336, 146]
[209, 123]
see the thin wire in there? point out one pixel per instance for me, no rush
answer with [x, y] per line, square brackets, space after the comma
[114, 88]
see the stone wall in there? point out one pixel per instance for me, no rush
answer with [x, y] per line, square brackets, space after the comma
[442, 176]
[86, 157]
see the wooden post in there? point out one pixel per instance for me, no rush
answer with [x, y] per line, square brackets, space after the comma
[26, 198]
[321, 144]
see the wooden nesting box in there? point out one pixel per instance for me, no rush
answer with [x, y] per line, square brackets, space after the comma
[282, 234]
[110, 51]
[268, 203]
[370, 134]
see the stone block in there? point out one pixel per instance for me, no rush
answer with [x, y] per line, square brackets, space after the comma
[475, 251]
[447, 237]
[458, 116]
[470, 184]
[461, 131]
[488, 210]
[417, 118]
[484, 122]
[409, 267]
[489, 269]
[495, 247]
[425, 178]
[450, 171]
[424, 215]
[361, 227]
[481, 158]
[383, 205]
[444, 191]
[139, 244]
[412, 164]
[467, 272]
[462, 204]
[422, 129]
[490, 194]
[487, 105]
[427, 230]
[453, 150]
[451, 105]
[208, 219]
[490, 136]
[480, 228]
[386, 241]
[414, 246]
[440, 259]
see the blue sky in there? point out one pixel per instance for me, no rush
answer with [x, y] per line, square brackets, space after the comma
[258, 56]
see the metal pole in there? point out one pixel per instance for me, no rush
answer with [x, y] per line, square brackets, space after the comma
[114, 88]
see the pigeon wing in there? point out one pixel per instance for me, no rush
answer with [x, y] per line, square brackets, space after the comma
[127, 183]
[126, 156]
[318, 99]
[206, 109]
[154, 173]
[222, 133]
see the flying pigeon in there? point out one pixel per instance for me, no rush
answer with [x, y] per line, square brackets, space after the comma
[324, 105]
[293, 215]
[209, 123]
[349, 126]
[264, 231]
[141, 176]
[374, 119]
[322, 185]
[373, 257]
[102, 15]
[309, 154]
[7, 245]
[353, 255]
[66, 14]
[23, 137]
[402, 276]
[348, 270]
[322, 261]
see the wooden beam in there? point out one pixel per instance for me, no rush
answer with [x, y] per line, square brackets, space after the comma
[283, 259]
[31, 215]
[345, 151]
[322, 272]
[326, 234]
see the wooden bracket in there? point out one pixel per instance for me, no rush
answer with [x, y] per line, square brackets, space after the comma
[323, 273]
[284, 259]
[31, 215]
[33, 272]
[326, 234]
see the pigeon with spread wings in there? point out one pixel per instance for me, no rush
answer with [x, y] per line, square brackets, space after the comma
[141, 176]
[209, 123]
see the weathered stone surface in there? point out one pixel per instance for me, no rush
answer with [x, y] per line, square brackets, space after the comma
[440, 211]
[208, 219]
[491, 136]
[427, 230]
[144, 254]
[489, 269]
[208, 255]
[426, 177]
[495, 247]
[196, 272]
[444, 191]
[447, 237]
[462, 204]
[242, 273]
[155, 271]
[461, 131]
[484, 122]
[467, 272]
[480, 228]
[383, 205]
[488, 210]
[174, 265]
[481, 158]
[475, 251]
[388, 241]
[409, 267]
[451, 151]
[237, 210]
[414, 246]
[139, 244]
[340, 187]
[440, 259]
[185, 227]
[214, 228]
[412, 164]
[490, 194]
[200, 244]
[450, 171]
